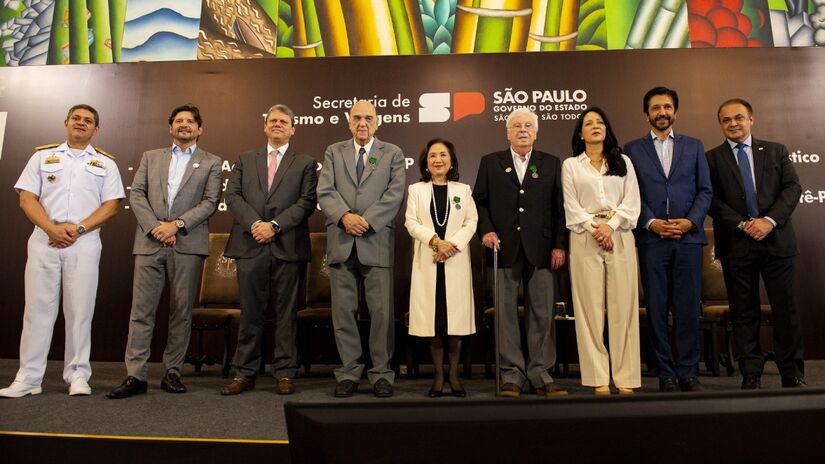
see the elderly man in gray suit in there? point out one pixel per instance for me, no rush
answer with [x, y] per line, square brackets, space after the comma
[174, 192]
[271, 193]
[360, 189]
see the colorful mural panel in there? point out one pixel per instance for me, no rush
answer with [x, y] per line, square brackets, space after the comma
[36, 32]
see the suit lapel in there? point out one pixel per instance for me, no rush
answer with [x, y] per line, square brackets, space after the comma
[537, 160]
[505, 160]
[196, 159]
[376, 152]
[260, 166]
[165, 161]
[425, 198]
[757, 149]
[452, 224]
[653, 157]
[348, 152]
[283, 166]
[730, 162]
[678, 150]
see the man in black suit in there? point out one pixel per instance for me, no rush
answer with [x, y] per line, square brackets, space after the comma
[271, 193]
[521, 213]
[755, 191]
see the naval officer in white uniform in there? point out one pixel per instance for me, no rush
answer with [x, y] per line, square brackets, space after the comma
[68, 192]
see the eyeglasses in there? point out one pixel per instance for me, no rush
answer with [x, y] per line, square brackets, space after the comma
[528, 126]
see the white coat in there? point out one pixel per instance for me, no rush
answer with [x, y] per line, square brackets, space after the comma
[461, 227]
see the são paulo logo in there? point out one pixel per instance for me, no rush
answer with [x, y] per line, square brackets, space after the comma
[436, 107]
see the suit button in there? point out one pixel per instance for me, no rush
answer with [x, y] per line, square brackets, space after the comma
[521, 191]
[521, 210]
[518, 228]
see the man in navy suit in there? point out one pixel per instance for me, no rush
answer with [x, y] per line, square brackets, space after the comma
[676, 193]
[755, 191]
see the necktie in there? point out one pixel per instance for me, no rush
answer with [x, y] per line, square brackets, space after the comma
[273, 166]
[359, 165]
[747, 179]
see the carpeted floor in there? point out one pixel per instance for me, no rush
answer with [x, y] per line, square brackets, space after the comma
[204, 413]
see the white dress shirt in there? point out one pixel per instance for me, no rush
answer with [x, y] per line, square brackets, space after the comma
[520, 165]
[588, 191]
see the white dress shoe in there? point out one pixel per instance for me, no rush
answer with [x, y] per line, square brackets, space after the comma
[79, 387]
[20, 389]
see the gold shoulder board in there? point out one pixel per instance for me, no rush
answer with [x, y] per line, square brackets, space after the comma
[100, 150]
[45, 147]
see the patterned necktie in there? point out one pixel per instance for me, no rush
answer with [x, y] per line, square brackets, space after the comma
[747, 179]
[273, 166]
[359, 165]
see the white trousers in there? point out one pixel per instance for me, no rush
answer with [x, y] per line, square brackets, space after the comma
[606, 283]
[48, 269]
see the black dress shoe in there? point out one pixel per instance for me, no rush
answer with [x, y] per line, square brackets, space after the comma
[458, 392]
[691, 385]
[345, 388]
[668, 385]
[751, 382]
[793, 382]
[382, 388]
[171, 383]
[130, 386]
[435, 393]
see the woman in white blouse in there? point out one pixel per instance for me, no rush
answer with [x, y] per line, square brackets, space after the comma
[441, 217]
[601, 204]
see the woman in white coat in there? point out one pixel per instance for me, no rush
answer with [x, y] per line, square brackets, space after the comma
[441, 217]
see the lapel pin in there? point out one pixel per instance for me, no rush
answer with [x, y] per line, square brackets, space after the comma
[196, 166]
[508, 170]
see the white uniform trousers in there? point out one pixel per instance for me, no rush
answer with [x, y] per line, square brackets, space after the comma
[606, 282]
[48, 269]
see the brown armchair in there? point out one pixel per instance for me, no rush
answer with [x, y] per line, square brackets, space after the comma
[218, 303]
[316, 338]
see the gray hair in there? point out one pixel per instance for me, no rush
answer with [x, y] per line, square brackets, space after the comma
[283, 109]
[524, 111]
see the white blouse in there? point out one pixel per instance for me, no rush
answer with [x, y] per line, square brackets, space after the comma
[588, 191]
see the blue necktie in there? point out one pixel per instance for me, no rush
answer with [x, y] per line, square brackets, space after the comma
[747, 179]
[359, 165]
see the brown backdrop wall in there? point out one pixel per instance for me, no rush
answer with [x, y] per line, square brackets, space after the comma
[784, 86]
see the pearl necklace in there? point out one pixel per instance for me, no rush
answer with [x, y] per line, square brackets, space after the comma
[435, 208]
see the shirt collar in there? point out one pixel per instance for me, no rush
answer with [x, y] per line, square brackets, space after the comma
[89, 150]
[654, 137]
[746, 142]
[281, 150]
[516, 156]
[177, 151]
[367, 147]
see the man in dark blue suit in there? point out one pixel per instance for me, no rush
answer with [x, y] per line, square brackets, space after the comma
[675, 186]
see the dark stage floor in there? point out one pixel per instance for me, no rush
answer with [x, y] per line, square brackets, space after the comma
[256, 415]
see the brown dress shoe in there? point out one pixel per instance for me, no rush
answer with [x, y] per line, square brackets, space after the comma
[238, 385]
[285, 386]
[550, 389]
[510, 390]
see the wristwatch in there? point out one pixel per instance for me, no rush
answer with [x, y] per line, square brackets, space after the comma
[275, 226]
[179, 223]
[81, 229]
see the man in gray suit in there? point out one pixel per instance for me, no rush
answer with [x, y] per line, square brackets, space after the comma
[174, 192]
[271, 193]
[360, 189]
